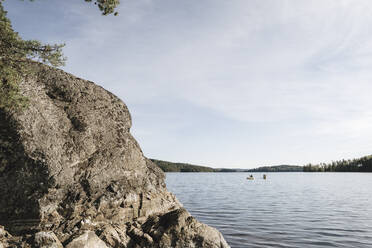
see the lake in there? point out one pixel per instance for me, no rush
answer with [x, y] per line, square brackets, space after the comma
[286, 210]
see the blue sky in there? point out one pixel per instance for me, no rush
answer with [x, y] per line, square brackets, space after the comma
[239, 83]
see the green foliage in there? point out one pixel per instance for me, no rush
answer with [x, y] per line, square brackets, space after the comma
[180, 167]
[106, 6]
[10, 98]
[17, 57]
[363, 164]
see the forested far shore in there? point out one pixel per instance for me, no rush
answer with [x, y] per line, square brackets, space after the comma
[167, 166]
[278, 168]
[363, 164]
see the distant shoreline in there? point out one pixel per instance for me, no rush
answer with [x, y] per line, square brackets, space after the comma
[167, 166]
[363, 164]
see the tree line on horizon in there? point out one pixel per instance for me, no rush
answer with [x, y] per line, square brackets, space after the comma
[278, 168]
[363, 164]
[167, 166]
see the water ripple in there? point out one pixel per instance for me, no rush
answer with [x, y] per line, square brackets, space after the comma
[288, 210]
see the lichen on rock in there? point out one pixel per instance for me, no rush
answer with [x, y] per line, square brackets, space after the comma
[70, 170]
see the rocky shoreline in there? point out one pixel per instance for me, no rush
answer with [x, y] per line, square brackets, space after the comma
[72, 175]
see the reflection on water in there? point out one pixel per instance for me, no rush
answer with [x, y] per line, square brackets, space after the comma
[286, 210]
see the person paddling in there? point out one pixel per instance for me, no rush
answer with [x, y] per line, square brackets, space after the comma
[250, 177]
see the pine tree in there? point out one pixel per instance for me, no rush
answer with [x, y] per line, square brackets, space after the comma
[17, 56]
[106, 6]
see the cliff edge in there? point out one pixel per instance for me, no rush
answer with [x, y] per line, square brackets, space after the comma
[72, 175]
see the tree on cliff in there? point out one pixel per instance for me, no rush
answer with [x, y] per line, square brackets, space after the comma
[18, 55]
[106, 6]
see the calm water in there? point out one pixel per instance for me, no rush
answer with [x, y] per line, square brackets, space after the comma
[286, 210]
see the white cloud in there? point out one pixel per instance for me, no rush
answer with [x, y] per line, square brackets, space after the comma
[300, 68]
[254, 61]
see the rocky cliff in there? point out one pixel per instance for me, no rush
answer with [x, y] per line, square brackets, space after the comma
[72, 175]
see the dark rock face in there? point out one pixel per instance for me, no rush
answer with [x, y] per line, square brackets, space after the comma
[70, 169]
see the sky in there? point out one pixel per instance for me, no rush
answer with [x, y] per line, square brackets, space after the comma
[238, 83]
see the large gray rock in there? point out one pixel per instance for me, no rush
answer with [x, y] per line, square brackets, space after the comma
[68, 165]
